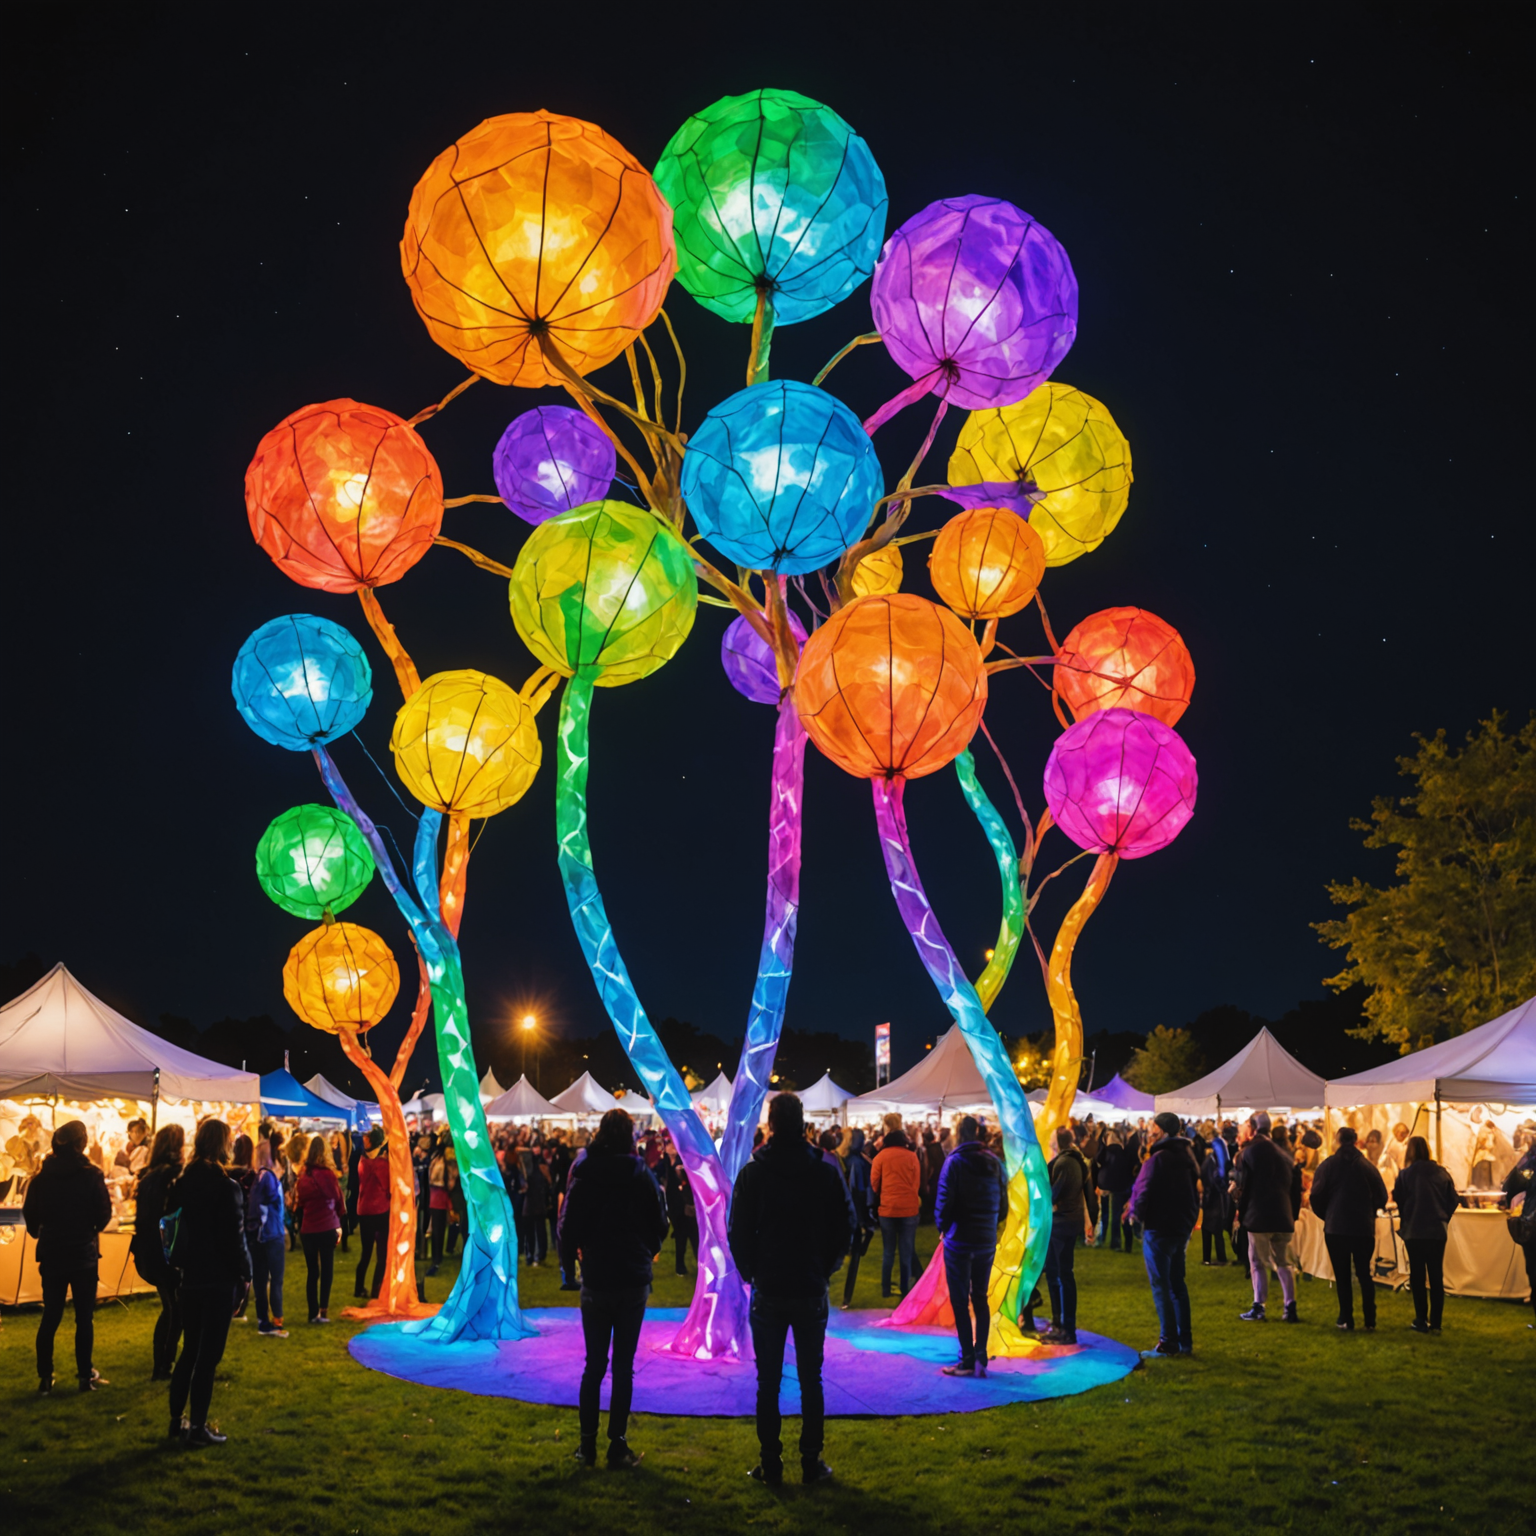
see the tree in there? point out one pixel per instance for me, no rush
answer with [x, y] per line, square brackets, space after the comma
[1453, 943]
[1169, 1059]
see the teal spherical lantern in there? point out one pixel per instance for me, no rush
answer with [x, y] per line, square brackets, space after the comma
[781, 477]
[772, 192]
[301, 681]
[313, 862]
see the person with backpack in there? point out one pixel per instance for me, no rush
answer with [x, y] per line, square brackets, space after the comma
[164, 1168]
[967, 1210]
[320, 1205]
[790, 1224]
[204, 1227]
[371, 1204]
[266, 1237]
[1074, 1207]
[65, 1209]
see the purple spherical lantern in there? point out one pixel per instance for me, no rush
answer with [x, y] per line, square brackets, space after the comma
[1119, 781]
[551, 459]
[978, 296]
[748, 660]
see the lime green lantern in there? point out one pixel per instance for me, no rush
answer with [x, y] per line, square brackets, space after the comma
[605, 591]
[312, 861]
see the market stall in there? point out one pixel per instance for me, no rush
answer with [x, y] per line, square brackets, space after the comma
[522, 1102]
[1263, 1075]
[586, 1096]
[490, 1088]
[1120, 1093]
[362, 1113]
[284, 1097]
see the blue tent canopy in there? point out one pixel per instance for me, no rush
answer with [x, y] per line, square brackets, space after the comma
[284, 1097]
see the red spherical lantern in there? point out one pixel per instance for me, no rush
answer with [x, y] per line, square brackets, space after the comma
[1125, 658]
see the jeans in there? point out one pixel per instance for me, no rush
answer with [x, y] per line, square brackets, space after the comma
[968, 1275]
[167, 1329]
[1359, 1252]
[1163, 1253]
[83, 1283]
[205, 1314]
[267, 1262]
[897, 1231]
[319, 1260]
[1426, 1262]
[616, 1316]
[773, 1320]
[1059, 1276]
[373, 1235]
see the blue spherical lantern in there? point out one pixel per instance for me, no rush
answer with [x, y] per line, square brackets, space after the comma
[550, 460]
[749, 661]
[781, 477]
[300, 682]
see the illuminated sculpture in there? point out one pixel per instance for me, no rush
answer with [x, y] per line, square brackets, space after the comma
[551, 459]
[300, 681]
[987, 564]
[749, 661]
[313, 862]
[878, 573]
[1126, 658]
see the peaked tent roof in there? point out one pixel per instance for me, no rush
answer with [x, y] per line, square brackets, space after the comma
[58, 1038]
[946, 1078]
[1496, 1061]
[361, 1111]
[522, 1101]
[824, 1096]
[490, 1088]
[283, 1095]
[717, 1095]
[1083, 1105]
[586, 1096]
[1263, 1075]
[1120, 1093]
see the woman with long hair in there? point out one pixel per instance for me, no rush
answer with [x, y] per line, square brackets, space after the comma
[372, 1205]
[298, 1149]
[1426, 1199]
[165, 1160]
[264, 1225]
[442, 1172]
[319, 1203]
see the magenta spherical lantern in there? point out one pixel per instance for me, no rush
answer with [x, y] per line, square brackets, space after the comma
[1119, 781]
[749, 663]
[551, 459]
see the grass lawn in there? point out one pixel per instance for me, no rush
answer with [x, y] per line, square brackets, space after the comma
[1268, 1428]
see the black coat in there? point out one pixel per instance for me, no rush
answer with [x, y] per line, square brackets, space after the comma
[970, 1200]
[1425, 1197]
[1266, 1177]
[210, 1247]
[791, 1220]
[1347, 1191]
[613, 1217]
[149, 1207]
[1214, 1198]
[1070, 1190]
[1116, 1169]
[66, 1205]
[1165, 1197]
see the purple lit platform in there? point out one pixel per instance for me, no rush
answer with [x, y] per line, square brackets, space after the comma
[869, 1367]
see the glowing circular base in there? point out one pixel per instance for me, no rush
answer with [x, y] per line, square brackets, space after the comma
[869, 1366]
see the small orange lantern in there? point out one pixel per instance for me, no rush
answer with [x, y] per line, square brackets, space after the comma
[891, 687]
[534, 224]
[987, 563]
[1126, 658]
[878, 573]
[341, 977]
[344, 496]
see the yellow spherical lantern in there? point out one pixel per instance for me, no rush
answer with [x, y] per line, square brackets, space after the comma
[1064, 449]
[466, 743]
[879, 573]
[340, 977]
[537, 225]
[987, 563]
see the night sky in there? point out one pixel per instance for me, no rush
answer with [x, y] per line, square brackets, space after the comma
[1301, 297]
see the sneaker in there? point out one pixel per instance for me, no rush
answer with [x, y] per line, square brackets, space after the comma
[271, 1333]
[45, 1386]
[769, 1473]
[1370, 1325]
[1187, 1349]
[1165, 1350]
[1290, 1314]
[1068, 1337]
[1419, 1327]
[1254, 1314]
[981, 1366]
[814, 1471]
[94, 1381]
[586, 1452]
[322, 1318]
[620, 1457]
[205, 1434]
[1344, 1324]
[960, 1368]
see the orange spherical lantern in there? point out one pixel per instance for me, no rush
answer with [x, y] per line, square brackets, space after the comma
[987, 563]
[534, 224]
[891, 687]
[344, 496]
[341, 976]
[1125, 658]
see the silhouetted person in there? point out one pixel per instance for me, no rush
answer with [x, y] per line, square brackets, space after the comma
[1426, 1199]
[1347, 1191]
[1266, 1202]
[966, 1210]
[790, 1226]
[148, 1256]
[1166, 1201]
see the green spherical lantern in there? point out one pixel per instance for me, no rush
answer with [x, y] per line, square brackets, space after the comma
[312, 861]
[605, 590]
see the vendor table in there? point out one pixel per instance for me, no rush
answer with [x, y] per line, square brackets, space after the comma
[20, 1282]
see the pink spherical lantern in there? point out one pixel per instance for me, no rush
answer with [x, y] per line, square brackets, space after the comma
[1121, 782]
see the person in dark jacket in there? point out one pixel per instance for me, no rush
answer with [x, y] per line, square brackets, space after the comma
[1268, 1192]
[856, 1172]
[1071, 1217]
[1426, 1199]
[789, 1229]
[1114, 1175]
[164, 1169]
[681, 1211]
[1521, 1180]
[66, 1207]
[1166, 1200]
[536, 1202]
[1215, 1205]
[1347, 1191]
[215, 1268]
[613, 1218]
[966, 1210]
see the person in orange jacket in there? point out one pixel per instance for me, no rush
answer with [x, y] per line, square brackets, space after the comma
[896, 1183]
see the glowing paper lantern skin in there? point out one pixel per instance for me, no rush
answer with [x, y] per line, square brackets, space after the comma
[341, 976]
[749, 661]
[344, 496]
[772, 191]
[781, 476]
[551, 459]
[987, 564]
[312, 861]
[465, 742]
[976, 300]
[891, 686]
[1067, 456]
[1125, 658]
[300, 681]
[879, 573]
[534, 224]
[1121, 782]
[605, 590]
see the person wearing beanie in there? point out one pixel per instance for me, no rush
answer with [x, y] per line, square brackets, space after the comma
[66, 1207]
[1166, 1201]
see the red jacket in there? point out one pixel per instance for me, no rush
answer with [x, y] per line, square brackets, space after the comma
[896, 1178]
[319, 1201]
[373, 1183]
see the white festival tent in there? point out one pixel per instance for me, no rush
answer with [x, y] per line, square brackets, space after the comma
[1084, 1105]
[1263, 1075]
[824, 1097]
[716, 1098]
[945, 1080]
[490, 1088]
[323, 1088]
[56, 1038]
[586, 1096]
[522, 1101]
